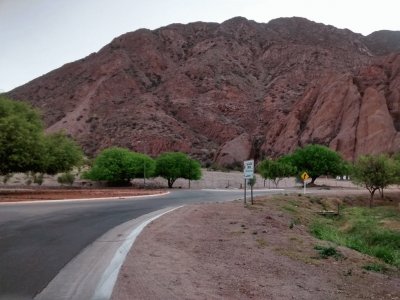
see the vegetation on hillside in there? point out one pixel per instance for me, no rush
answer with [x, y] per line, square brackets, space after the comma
[375, 232]
[365, 230]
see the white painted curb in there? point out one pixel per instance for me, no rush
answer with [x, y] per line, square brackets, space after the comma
[110, 275]
[82, 199]
[241, 190]
[92, 274]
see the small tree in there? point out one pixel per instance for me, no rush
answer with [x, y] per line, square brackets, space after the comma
[174, 165]
[192, 170]
[275, 170]
[252, 181]
[119, 166]
[317, 160]
[374, 172]
[61, 154]
[25, 148]
[21, 135]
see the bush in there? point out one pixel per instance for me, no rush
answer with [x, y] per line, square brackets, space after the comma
[119, 166]
[325, 252]
[374, 267]
[66, 178]
[38, 178]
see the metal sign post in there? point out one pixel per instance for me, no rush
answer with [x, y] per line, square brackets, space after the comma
[251, 189]
[304, 176]
[245, 183]
[248, 173]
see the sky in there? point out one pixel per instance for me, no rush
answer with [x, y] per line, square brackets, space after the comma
[38, 36]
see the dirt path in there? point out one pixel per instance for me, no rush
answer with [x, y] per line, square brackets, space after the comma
[226, 251]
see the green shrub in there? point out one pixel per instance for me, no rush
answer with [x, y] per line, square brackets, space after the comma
[375, 268]
[66, 178]
[38, 178]
[325, 252]
[361, 229]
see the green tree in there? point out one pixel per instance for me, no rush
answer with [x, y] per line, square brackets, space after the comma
[191, 170]
[275, 170]
[174, 165]
[61, 154]
[317, 160]
[21, 136]
[119, 166]
[374, 172]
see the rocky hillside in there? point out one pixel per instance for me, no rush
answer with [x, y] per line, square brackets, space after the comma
[227, 92]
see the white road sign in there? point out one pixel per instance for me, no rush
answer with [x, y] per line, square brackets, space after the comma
[248, 170]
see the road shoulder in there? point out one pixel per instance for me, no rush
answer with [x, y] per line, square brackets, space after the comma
[226, 251]
[92, 274]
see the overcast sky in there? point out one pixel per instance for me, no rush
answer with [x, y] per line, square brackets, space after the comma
[38, 36]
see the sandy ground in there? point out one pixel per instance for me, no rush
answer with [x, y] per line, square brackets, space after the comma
[227, 251]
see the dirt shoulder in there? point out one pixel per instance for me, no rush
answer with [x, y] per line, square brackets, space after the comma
[226, 251]
[17, 195]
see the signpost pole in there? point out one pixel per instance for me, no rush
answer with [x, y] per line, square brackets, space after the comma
[251, 189]
[248, 173]
[245, 183]
[304, 176]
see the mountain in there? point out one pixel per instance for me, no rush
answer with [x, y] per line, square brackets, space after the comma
[226, 92]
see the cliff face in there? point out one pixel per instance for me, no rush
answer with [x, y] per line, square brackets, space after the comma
[225, 92]
[353, 114]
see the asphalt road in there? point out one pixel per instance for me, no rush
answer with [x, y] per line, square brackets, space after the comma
[37, 240]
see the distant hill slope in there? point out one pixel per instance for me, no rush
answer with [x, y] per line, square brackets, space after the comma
[226, 92]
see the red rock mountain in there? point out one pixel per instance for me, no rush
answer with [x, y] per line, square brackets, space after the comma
[227, 92]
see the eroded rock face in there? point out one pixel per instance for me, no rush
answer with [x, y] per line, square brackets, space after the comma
[235, 151]
[227, 92]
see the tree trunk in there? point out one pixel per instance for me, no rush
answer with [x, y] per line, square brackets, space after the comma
[171, 182]
[381, 192]
[313, 180]
[371, 198]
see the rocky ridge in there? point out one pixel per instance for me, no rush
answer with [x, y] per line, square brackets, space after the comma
[227, 92]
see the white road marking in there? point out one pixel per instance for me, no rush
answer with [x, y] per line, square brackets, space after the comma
[82, 199]
[241, 190]
[93, 272]
[110, 275]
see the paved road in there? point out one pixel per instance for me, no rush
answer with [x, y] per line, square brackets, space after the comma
[38, 240]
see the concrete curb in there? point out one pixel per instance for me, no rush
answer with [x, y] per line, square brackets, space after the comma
[83, 199]
[92, 273]
[238, 190]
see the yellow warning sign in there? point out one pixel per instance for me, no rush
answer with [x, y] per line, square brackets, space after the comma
[304, 176]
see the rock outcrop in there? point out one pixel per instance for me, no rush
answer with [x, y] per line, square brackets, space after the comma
[227, 92]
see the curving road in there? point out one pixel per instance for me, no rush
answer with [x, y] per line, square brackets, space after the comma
[38, 239]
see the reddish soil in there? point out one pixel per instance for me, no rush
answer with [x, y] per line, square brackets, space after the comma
[16, 195]
[227, 251]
